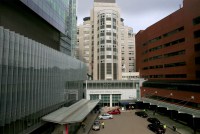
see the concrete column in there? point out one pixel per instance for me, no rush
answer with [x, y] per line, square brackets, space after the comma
[99, 96]
[110, 100]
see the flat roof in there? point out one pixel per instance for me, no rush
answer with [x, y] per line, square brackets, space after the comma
[180, 109]
[72, 114]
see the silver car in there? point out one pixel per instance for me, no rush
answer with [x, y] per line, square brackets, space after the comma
[96, 125]
[106, 116]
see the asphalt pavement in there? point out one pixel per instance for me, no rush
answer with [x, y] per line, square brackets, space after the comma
[129, 123]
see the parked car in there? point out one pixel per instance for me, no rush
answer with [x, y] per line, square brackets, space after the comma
[153, 120]
[115, 111]
[157, 128]
[105, 116]
[141, 114]
[96, 125]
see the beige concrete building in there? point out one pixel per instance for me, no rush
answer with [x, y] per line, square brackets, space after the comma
[83, 48]
[127, 48]
[103, 41]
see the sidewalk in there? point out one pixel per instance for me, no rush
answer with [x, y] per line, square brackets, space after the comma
[182, 129]
[89, 121]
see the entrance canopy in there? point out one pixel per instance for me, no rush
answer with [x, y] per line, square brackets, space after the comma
[72, 114]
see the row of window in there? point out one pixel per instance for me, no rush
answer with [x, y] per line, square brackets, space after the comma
[108, 49]
[164, 35]
[107, 33]
[108, 57]
[177, 64]
[193, 87]
[165, 45]
[107, 26]
[107, 41]
[167, 76]
[167, 55]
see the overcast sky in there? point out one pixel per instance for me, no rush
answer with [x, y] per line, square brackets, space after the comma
[138, 14]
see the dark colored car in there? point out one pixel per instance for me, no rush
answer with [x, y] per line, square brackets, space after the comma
[153, 120]
[141, 114]
[157, 128]
[115, 111]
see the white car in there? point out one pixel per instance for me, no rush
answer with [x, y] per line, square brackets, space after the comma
[105, 116]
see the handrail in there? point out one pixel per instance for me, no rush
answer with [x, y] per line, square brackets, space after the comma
[183, 109]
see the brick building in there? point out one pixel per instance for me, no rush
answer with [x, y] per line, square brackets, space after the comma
[168, 57]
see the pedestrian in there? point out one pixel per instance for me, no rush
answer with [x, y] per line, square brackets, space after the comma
[102, 124]
[174, 127]
[83, 126]
[164, 126]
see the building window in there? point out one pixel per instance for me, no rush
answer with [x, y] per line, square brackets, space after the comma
[108, 48]
[102, 71]
[173, 32]
[115, 99]
[108, 33]
[174, 53]
[197, 47]
[174, 42]
[198, 74]
[108, 26]
[102, 42]
[196, 20]
[197, 34]
[109, 68]
[102, 56]
[102, 27]
[109, 19]
[105, 100]
[101, 34]
[197, 60]
[108, 41]
[108, 56]
[175, 76]
[94, 96]
[175, 64]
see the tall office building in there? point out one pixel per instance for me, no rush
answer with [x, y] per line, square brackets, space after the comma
[104, 43]
[168, 56]
[127, 48]
[36, 77]
[84, 41]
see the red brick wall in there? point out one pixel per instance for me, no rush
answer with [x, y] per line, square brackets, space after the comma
[182, 17]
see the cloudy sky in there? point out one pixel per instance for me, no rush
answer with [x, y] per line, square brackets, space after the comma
[138, 14]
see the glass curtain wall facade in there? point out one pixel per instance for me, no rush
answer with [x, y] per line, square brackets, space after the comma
[115, 99]
[34, 80]
[105, 100]
[73, 26]
[61, 15]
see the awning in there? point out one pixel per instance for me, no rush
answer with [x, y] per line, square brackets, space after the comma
[127, 102]
[180, 109]
[72, 114]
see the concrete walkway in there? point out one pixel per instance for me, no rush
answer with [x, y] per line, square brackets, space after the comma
[182, 129]
[88, 122]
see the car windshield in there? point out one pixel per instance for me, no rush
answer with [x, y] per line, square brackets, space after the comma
[96, 123]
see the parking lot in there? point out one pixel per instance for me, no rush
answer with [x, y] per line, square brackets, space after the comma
[127, 123]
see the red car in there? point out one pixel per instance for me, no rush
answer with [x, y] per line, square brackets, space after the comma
[115, 111]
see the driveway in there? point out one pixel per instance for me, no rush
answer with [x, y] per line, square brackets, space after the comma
[127, 123]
